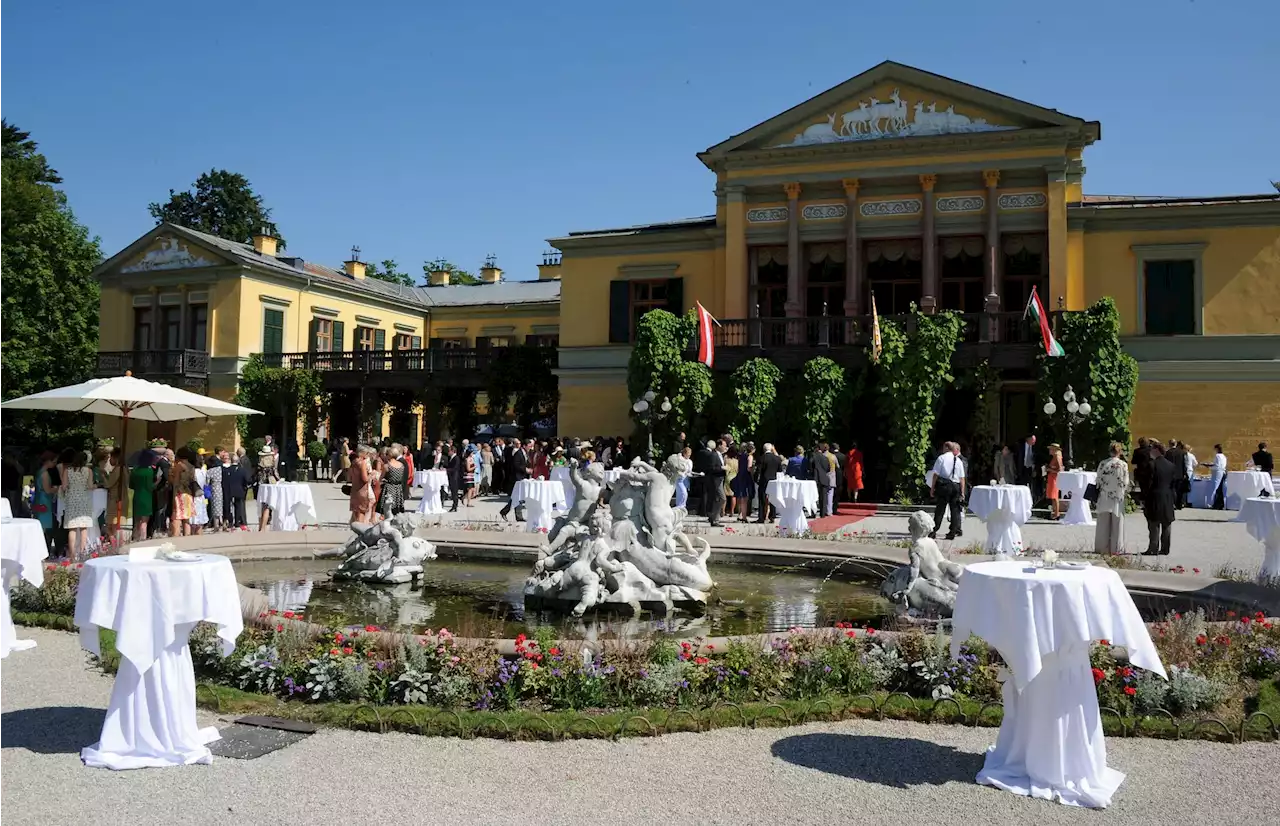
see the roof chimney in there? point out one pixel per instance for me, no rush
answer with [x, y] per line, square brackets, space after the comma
[549, 269]
[354, 267]
[437, 273]
[490, 272]
[264, 242]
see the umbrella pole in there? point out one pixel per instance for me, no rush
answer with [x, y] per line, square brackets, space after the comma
[124, 464]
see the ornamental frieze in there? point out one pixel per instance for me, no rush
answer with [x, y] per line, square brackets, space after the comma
[887, 209]
[824, 212]
[963, 203]
[1022, 200]
[766, 215]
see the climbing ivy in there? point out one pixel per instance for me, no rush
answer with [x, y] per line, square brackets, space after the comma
[291, 394]
[1099, 370]
[754, 388]
[521, 378]
[657, 363]
[914, 367]
[824, 386]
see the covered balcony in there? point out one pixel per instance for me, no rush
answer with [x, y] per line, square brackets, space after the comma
[394, 369]
[188, 368]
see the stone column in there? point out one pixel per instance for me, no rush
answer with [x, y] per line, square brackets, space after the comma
[992, 303]
[182, 317]
[930, 288]
[794, 306]
[852, 247]
[155, 318]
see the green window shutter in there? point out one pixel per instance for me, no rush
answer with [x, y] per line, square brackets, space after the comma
[379, 339]
[675, 296]
[339, 332]
[619, 312]
[273, 331]
[312, 344]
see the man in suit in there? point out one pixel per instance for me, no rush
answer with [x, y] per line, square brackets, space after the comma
[453, 467]
[767, 469]
[517, 470]
[1142, 462]
[824, 473]
[159, 522]
[1181, 484]
[946, 486]
[1158, 502]
[715, 482]
[1263, 460]
[701, 470]
[1029, 466]
[235, 487]
[841, 491]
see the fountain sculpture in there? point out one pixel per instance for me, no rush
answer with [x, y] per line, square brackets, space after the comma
[386, 552]
[927, 586]
[632, 551]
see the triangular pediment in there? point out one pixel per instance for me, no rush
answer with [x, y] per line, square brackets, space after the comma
[894, 102]
[165, 248]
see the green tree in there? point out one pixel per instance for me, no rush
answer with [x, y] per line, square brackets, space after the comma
[824, 387]
[521, 378]
[220, 203]
[389, 271]
[755, 388]
[50, 320]
[657, 363]
[457, 275]
[285, 393]
[1099, 370]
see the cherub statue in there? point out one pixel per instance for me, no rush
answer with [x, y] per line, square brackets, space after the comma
[660, 518]
[588, 484]
[931, 580]
[382, 547]
[585, 564]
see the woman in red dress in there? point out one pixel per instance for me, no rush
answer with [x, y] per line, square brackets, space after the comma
[853, 472]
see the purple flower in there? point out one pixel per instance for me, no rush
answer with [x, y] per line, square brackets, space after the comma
[555, 672]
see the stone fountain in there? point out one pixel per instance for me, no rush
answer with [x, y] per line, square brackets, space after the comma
[385, 553]
[927, 586]
[632, 551]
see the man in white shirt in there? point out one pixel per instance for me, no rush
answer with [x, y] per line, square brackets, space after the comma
[946, 486]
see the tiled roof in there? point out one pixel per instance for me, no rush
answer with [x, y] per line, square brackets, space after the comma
[454, 295]
[702, 221]
[1108, 201]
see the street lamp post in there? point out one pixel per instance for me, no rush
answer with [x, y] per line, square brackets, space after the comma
[1077, 411]
[644, 408]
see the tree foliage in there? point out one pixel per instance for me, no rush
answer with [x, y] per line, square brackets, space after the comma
[50, 335]
[290, 394]
[914, 368]
[520, 378]
[657, 363]
[824, 388]
[1099, 370]
[754, 388]
[457, 275]
[220, 203]
[389, 271]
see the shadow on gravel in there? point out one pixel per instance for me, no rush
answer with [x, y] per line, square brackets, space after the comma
[53, 729]
[896, 762]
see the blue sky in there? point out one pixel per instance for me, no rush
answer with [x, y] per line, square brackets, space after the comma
[427, 129]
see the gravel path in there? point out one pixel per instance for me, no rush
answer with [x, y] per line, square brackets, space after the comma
[854, 772]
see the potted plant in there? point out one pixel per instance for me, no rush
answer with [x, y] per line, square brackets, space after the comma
[316, 452]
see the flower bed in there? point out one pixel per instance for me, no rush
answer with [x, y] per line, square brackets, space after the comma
[1227, 669]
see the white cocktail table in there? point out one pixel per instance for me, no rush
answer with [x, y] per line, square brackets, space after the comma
[22, 554]
[540, 498]
[793, 498]
[1074, 482]
[1005, 508]
[1261, 515]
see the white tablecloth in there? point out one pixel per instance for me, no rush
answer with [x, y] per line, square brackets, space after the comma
[1201, 493]
[1074, 482]
[1043, 623]
[99, 498]
[540, 498]
[6, 510]
[793, 498]
[152, 607]
[431, 481]
[22, 555]
[612, 475]
[560, 475]
[1004, 508]
[291, 505]
[1244, 484]
[1262, 518]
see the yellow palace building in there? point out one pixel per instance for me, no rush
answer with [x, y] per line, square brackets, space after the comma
[898, 182]
[926, 190]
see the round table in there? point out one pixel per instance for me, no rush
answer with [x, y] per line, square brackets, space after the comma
[793, 498]
[540, 498]
[1004, 508]
[1071, 485]
[1244, 484]
[1201, 492]
[560, 475]
[1043, 622]
[431, 481]
[22, 554]
[291, 505]
[152, 606]
[1262, 517]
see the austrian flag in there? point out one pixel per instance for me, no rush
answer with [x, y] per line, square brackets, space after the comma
[706, 338]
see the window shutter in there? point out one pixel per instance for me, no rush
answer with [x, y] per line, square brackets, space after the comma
[675, 296]
[312, 345]
[619, 312]
[336, 344]
[416, 343]
[379, 339]
[434, 343]
[482, 342]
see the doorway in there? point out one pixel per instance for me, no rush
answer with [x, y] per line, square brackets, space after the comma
[1017, 414]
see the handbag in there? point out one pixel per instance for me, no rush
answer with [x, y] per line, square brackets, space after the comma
[1091, 493]
[346, 490]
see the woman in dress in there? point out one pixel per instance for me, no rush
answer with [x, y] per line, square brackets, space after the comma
[360, 479]
[142, 481]
[1051, 479]
[77, 495]
[486, 469]
[682, 484]
[744, 486]
[394, 474]
[200, 517]
[267, 474]
[44, 506]
[344, 460]
[1113, 487]
[112, 471]
[469, 476]
[853, 472]
[377, 467]
[213, 477]
[731, 465]
[182, 481]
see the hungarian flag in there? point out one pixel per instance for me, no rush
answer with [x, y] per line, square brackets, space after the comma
[876, 344]
[706, 340]
[1036, 308]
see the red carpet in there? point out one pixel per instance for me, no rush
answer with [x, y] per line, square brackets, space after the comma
[849, 514]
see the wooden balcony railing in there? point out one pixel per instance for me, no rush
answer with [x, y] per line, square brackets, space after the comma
[855, 331]
[428, 360]
[191, 364]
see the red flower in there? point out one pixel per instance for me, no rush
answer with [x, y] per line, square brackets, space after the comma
[263, 614]
[1104, 642]
[338, 637]
[273, 612]
[279, 627]
[1201, 640]
[1231, 613]
[288, 615]
[850, 634]
[520, 638]
[371, 628]
[711, 648]
[1126, 672]
[1223, 639]
[370, 653]
[66, 563]
[686, 646]
[334, 652]
[1246, 620]
[1098, 675]
[1130, 690]
[1195, 570]
[79, 564]
[701, 660]
[346, 650]
[1260, 615]
[555, 652]
[870, 631]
